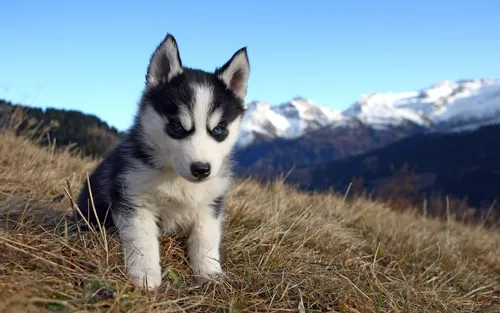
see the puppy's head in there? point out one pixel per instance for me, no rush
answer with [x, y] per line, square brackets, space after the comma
[191, 118]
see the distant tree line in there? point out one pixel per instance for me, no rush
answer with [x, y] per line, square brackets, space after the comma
[91, 135]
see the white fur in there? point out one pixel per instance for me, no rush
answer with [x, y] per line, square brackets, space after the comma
[182, 206]
[203, 245]
[185, 118]
[171, 194]
[199, 147]
[214, 119]
[139, 237]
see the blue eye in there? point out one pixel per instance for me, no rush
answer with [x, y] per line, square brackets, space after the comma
[217, 130]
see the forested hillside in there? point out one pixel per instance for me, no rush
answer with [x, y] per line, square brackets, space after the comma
[91, 135]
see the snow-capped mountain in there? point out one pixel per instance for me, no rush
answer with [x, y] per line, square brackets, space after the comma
[446, 106]
[445, 102]
[287, 120]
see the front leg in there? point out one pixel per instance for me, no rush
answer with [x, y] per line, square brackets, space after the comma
[139, 236]
[204, 245]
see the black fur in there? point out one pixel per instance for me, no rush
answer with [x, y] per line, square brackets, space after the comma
[107, 190]
[140, 150]
[166, 97]
[228, 63]
[217, 206]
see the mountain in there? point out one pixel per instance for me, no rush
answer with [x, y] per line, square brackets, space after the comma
[263, 122]
[267, 159]
[271, 144]
[90, 134]
[439, 107]
[446, 103]
[461, 164]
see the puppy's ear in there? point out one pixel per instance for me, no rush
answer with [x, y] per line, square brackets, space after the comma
[165, 62]
[235, 73]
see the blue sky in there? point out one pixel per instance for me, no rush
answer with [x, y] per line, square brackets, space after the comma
[92, 55]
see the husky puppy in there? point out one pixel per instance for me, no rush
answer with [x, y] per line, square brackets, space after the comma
[172, 169]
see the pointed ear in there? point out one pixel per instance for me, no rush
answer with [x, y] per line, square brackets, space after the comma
[165, 62]
[235, 73]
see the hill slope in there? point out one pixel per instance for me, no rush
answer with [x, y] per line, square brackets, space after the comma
[282, 250]
[463, 165]
[267, 159]
[89, 133]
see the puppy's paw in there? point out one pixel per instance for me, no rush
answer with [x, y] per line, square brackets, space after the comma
[149, 279]
[208, 274]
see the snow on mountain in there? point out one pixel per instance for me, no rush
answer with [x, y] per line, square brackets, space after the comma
[443, 102]
[470, 100]
[287, 120]
[448, 105]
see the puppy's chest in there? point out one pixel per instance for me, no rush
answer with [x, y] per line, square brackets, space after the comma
[179, 196]
[178, 204]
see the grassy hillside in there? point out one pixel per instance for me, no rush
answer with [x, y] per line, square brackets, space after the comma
[460, 165]
[283, 251]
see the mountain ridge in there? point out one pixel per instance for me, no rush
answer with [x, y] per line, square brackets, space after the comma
[461, 164]
[445, 102]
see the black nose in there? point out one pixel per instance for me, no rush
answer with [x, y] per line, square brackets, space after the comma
[200, 170]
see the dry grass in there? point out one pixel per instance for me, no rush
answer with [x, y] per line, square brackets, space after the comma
[283, 251]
